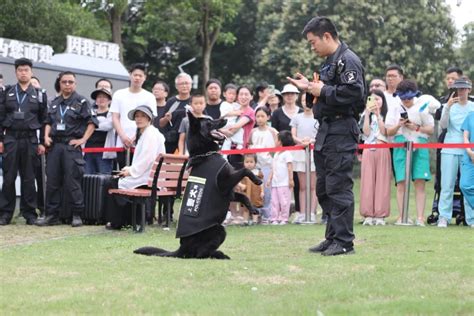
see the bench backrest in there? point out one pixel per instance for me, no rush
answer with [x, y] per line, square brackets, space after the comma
[169, 174]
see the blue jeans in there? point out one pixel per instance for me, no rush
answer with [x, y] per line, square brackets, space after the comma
[95, 164]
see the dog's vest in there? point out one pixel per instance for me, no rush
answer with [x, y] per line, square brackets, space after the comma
[203, 204]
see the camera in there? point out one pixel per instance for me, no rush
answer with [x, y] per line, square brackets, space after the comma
[404, 115]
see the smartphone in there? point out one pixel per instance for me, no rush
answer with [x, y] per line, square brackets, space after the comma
[453, 93]
[404, 115]
[370, 103]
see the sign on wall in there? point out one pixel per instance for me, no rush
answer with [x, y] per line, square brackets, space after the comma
[92, 48]
[17, 49]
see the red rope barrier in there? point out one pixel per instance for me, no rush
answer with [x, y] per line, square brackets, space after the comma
[292, 148]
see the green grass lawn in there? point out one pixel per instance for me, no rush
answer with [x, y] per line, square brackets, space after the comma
[88, 270]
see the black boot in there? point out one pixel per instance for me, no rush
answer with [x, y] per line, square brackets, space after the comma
[49, 220]
[335, 250]
[76, 221]
[321, 246]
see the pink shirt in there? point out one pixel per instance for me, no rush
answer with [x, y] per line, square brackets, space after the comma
[250, 113]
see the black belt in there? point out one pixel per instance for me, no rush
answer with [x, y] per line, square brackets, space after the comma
[330, 119]
[20, 133]
[62, 139]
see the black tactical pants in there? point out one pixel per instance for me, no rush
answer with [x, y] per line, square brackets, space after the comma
[64, 169]
[334, 163]
[19, 156]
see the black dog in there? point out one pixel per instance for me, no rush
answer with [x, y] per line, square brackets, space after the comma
[208, 194]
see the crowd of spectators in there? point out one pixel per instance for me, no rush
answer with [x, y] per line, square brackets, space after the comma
[153, 122]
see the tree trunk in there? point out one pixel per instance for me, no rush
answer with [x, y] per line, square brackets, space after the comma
[209, 38]
[116, 25]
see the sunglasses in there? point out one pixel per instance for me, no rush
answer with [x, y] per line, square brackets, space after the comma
[70, 82]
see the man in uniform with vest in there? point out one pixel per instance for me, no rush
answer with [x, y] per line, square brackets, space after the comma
[23, 110]
[340, 93]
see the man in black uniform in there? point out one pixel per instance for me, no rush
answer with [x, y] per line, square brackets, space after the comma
[340, 93]
[69, 124]
[22, 112]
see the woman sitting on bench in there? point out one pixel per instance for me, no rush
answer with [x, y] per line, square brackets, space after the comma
[149, 144]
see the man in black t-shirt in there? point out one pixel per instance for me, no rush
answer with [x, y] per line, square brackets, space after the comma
[213, 91]
[175, 111]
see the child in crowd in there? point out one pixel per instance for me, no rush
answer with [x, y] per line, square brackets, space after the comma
[304, 128]
[253, 191]
[281, 181]
[264, 136]
[230, 110]
[198, 105]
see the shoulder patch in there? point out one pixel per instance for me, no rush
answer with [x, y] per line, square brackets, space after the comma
[350, 76]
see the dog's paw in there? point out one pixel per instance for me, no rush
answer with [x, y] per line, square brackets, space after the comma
[255, 211]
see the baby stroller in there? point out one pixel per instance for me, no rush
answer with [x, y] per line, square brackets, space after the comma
[458, 199]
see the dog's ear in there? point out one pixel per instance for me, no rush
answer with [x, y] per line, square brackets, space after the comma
[194, 124]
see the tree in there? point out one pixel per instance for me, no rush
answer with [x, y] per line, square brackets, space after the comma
[418, 35]
[172, 31]
[114, 12]
[48, 22]
[466, 50]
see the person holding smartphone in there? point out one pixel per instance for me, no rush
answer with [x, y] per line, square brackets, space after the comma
[411, 121]
[454, 113]
[376, 172]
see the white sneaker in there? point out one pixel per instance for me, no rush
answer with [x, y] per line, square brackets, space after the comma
[442, 222]
[298, 219]
[368, 221]
[313, 218]
[379, 221]
[420, 223]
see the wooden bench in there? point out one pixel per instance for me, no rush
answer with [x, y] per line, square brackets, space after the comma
[167, 179]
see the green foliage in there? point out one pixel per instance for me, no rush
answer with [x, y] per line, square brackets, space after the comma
[466, 52]
[418, 35]
[48, 22]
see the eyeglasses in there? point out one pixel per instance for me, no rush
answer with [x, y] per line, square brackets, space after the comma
[70, 82]
[376, 85]
[183, 84]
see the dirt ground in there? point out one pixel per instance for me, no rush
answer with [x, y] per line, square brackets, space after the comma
[18, 233]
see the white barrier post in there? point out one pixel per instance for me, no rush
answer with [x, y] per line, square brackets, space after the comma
[307, 217]
[406, 195]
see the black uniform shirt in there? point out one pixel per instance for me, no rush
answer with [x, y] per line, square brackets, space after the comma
[77, 115]
[31, 103]
[344, 84]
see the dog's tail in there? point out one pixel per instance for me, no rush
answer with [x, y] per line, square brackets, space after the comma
[150, 251]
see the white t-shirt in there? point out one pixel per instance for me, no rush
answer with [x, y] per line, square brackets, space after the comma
[263, 139]
[418, 113]
[280, 169]
[123, 101]
[392, 102]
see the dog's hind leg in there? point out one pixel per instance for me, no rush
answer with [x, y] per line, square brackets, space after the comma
[219, 255]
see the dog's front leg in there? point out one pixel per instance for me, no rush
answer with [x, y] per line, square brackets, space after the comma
[244, 200]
